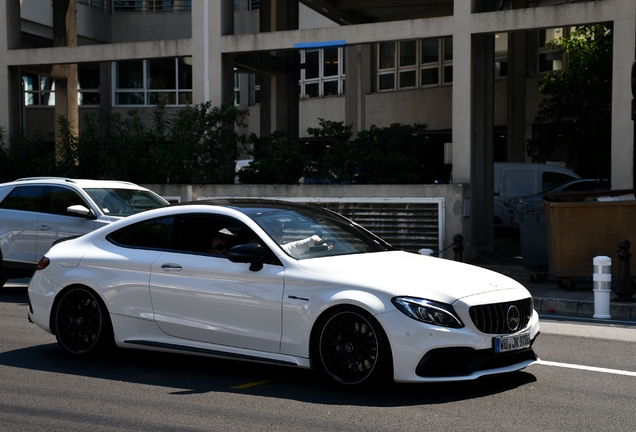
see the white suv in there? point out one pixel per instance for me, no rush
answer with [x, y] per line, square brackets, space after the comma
[36, 212]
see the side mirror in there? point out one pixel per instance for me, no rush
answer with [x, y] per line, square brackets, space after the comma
[80, 210]
[253, 254]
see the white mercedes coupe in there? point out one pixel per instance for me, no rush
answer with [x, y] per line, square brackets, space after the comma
[282, 283]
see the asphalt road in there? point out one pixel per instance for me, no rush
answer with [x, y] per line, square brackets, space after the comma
[586, 381]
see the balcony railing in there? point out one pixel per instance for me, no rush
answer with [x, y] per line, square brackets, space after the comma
[151, 6]
[96, 4]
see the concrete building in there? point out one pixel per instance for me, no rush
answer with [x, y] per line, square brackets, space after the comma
[469, 69]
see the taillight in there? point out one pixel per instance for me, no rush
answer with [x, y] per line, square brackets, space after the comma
[44, 263]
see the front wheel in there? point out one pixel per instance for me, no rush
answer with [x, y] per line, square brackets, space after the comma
[351, 348]
[82, 324]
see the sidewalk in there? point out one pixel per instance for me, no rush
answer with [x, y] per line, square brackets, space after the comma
[548, 297]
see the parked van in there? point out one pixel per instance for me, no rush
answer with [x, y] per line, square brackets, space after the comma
[516, 179]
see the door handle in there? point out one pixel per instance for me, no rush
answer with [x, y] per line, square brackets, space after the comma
[44, 228]
[171, 267]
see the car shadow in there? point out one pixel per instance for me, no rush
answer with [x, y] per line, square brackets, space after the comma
[13, 294]
[187, 374]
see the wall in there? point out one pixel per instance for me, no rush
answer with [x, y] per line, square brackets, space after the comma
[151, 27]
[328, 108]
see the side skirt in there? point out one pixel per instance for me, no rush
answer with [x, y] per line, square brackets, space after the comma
[215, 353]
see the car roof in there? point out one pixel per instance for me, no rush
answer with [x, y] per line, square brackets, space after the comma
[82, 183]
[251, 206]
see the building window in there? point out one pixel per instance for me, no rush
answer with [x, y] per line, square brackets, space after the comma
[549, 59]
[39, 90]
[235, 5]
[254, 4]
[237, 89]
[501, 55]
[150, 82]
[255, 89]
[414, 63]
[95, 4]
[322, 73]
[151, 6]
[88, 84]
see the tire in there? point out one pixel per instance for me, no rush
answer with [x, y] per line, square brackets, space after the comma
[351, 349]
[81, 323]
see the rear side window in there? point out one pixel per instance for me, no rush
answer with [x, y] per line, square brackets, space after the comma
[151, 234]
[61, 198]
[25, 198]
[551, 178]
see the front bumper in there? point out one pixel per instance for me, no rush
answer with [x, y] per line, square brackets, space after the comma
[425, 353]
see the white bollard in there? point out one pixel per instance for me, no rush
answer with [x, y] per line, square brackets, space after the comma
[602, 286]
[425, 251]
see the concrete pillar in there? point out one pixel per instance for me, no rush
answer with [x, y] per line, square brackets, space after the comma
[516, 136]
[359, 82]
[482, 113]
[212, 73]
[482, 174]
[105, 99]
[65, 34]
[623, 173]
[462, 110]
[10, 38]
[280, 93]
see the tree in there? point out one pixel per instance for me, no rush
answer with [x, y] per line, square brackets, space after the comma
[576, 112]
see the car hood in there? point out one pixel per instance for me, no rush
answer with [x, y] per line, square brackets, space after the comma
[399, 273]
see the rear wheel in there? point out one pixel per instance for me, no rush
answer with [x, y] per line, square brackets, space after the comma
[351, 348]
[82, 324]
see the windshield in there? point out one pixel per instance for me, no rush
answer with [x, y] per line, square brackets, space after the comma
[124, 202]
[312, 233]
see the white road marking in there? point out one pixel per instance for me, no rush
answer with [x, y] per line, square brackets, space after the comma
[587, 368]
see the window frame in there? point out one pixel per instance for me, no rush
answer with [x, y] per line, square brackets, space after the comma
[145, 90]
[391, 78]
[321, 79]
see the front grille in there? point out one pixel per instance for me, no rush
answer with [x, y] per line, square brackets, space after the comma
[455, 362]
[493, 318]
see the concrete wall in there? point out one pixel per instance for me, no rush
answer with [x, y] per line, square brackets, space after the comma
[329, 108]
[453, 197]
[151, 27]
[432, 106]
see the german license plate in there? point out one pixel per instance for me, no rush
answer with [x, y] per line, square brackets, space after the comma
[512, 343]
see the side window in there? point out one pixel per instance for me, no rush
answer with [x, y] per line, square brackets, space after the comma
[60, 198]
[551, 178]
[519, 182]
[152, 234]
[25, 198]
[209, 234]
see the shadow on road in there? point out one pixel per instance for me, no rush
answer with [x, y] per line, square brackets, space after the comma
[190, 374]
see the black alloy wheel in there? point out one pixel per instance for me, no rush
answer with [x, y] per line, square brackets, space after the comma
[82, 324]
[351, 348]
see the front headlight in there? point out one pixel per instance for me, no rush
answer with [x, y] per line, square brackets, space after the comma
[428, 311]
